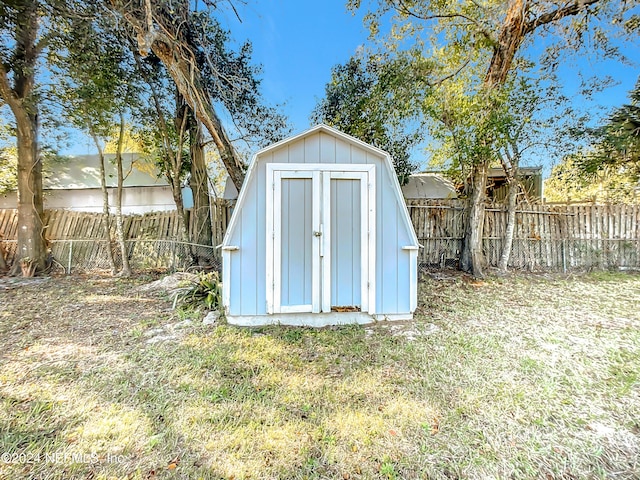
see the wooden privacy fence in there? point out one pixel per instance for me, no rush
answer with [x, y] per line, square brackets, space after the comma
[77, 238]
[66, 224]
[547, 237]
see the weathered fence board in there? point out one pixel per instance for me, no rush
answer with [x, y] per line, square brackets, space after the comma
[552, 237]
[66, 224]
[546, 236]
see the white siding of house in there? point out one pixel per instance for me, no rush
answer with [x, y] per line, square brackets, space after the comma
[134, 199]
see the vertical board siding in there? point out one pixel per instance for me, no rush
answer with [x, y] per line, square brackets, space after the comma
[248, 243]
[296, 238]
[281, 155]
[342, 152]
[235, 276]
[260, 293]
[296, 153]
[359, 156]
[388, 248]
[327, 148]
[311, 149]
[345, 243]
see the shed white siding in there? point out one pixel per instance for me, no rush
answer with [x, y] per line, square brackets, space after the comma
[321, 149]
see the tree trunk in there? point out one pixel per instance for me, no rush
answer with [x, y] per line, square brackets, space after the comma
[126, 269]
[106, 219]
[199, 183]
[175, 158]
[188, 81]
[31, 251]
[472, 256]
[511, 223]
[3, 263]
[173, 175]
[178, 57]
[504, 51]
[512, 33]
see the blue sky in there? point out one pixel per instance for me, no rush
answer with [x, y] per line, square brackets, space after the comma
[297, 43]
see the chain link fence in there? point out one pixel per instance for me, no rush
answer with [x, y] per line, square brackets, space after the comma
[85, 255]
[573, 254]
[535, 255]
[562, 255]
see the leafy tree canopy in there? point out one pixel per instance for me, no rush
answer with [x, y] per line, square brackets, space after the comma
[617, 142]
[568, 183]
[359, 102]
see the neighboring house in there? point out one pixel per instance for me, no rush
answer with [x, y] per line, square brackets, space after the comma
[230, 190]
[530, 179]
[434, 185]
[428, 185]
[74, 184]
[320, 235]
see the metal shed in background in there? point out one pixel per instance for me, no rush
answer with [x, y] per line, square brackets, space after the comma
[320, 236]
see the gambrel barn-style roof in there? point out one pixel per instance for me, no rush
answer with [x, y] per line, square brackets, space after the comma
[320, 235]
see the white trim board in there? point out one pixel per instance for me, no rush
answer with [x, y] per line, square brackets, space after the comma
[317, 320]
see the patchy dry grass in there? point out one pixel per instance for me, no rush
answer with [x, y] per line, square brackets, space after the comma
[524, 377]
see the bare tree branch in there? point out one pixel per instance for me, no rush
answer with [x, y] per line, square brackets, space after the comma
[574, 8]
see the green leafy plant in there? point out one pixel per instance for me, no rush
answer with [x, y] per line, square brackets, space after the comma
[205, 290]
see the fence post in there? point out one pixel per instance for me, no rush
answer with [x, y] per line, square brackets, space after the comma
[70, 255]
[564, 255]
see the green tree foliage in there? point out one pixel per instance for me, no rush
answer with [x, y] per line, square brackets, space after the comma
[617, 142]
[468, 52]
[234, 83]
[8, 159]
[93, 70]
[568, 182]
[8, 168]
[359, 102]
[609, 169]
[178, 34]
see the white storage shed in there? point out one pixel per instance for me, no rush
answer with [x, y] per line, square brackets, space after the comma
[320, 235]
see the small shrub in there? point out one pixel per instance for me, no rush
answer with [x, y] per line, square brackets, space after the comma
[205, 291]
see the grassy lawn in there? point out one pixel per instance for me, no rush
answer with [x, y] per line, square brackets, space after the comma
[517, 377]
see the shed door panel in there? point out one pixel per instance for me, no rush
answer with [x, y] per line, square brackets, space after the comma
[346, 227]
[318, 219]
[296, 247]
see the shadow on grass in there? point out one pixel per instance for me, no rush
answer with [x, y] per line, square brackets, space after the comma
[504, 388]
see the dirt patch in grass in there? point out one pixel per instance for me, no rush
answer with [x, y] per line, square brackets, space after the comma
[513, 377]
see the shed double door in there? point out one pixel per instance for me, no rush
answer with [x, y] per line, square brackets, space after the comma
[320, 241]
